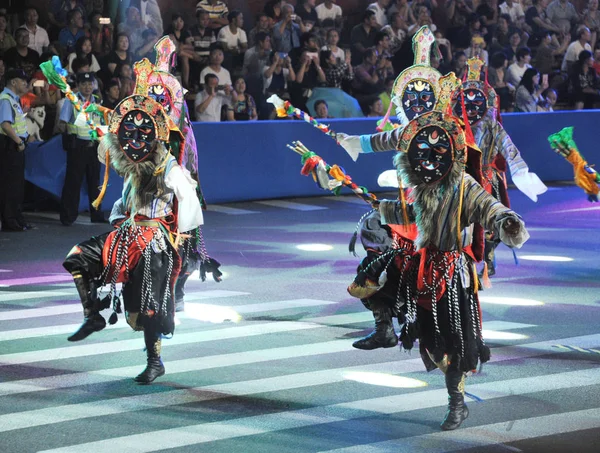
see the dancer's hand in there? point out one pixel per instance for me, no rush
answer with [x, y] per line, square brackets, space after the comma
[351, 143]
[512, 227]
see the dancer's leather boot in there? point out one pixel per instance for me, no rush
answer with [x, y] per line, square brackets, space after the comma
[92, 319]
[384, 335]
[154, 367]
[457, 409]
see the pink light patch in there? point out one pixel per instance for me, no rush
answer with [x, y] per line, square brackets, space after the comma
[36, 280]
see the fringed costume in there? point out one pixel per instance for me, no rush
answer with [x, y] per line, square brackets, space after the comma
[498, 152]
[142, 252]
[440, 163]
[166, 89]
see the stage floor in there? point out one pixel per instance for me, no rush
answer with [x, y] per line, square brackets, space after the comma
[284, 377]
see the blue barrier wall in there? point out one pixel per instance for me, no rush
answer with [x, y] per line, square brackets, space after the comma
[249, 160]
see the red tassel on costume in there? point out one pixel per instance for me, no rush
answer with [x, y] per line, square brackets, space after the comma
[485, 279]
[310, 164]
[468, 132]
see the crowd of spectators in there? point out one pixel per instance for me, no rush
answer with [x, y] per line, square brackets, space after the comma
[540, 54]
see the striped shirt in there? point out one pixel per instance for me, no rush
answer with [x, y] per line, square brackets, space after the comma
[216, 11]
[202, 39]
[492, 139]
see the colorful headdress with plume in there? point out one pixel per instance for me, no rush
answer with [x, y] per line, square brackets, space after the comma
[415, 90]
[479, 96]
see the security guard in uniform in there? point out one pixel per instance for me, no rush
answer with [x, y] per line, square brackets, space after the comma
[82, 158]
[13, 141]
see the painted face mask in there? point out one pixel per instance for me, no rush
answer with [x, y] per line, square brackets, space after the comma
[418, 98]
[430, 154]
[475, 105]
[161, 95]
[136, 135]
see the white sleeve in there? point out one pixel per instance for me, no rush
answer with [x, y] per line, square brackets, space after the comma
[243, 37]
[189, 215]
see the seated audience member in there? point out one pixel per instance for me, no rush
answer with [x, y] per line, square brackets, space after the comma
[548, 101]
[149, 39]
[375, 108]
[576, 47]
[211, 100]
[182, 39]
[369, 75]
[362, 36]
[537, 20]
[545, 54]
[261, 26]
[591, 19]
[562, 14]
[397, 31]
[21, 56]
[332, 39]
[257, 56]
[126, 80]
[459, 64]
[329, 10]
[69, 35]
[83, 49]
[516, 70]
[244, 107]
[233, 37]
[477, 49]
[514, 44]
[38, 37]
[513, 9]
[496, 78]
[500, 37]
[423, 18]
[112, 94]
[277, 74]
[585, 82]
[100, 34]
[529, 92]
[382, 46]
[305, 10]
[286, 32]
[215, 67]
[6, 39]
[379, 8]
[202, 39]
[335, 73]
[309, 75]
[119, 55]
[321, 110]
[217, 13]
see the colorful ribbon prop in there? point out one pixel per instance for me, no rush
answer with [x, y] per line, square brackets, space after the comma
[321, 172]
[56, 75]
[585, 176]
[284, 109]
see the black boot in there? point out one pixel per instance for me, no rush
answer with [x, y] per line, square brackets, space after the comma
[384, 335]
[457, 409]
[180, 291]
[490, 255]
[155, 367]
[92, 319]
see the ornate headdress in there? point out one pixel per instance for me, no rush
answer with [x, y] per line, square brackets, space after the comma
[479, 96]
[416, 90]
[158, 83]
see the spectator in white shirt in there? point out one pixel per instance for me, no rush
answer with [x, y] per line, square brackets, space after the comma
[329, 10]
[576, 47]
[379, 8]
[233, 37]
[333, 38]
[513, 9]
[215, 67]
[515, 71]
[210, 101]
[38, 37]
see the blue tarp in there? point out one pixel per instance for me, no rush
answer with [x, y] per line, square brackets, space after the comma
[249, 160]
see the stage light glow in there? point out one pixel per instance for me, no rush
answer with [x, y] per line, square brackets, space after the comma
[177, 320]
[209, 278]
[211, 313]
[496, 335]
[314, 247]
[550, 258]
[383, 380]
[517, 301]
